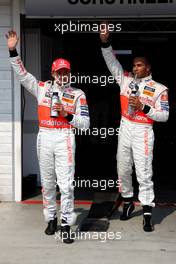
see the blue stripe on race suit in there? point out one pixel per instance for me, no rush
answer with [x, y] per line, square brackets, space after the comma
[84, 113]
[165, 106]
[164, 102]
[84, 107]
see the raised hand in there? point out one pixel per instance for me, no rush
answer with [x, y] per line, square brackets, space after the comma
[12, 40]
[104, 32]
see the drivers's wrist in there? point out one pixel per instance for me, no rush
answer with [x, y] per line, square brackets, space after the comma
[13, 53]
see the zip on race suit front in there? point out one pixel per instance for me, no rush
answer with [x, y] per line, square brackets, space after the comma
[136, 138]
[56, 139]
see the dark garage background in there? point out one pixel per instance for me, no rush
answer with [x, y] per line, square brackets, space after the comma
[96, 156]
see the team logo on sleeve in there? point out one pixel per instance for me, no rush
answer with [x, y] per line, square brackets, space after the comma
[164, 102]
[84, 107]
[41, 84]
[83, 101]
[164, 97]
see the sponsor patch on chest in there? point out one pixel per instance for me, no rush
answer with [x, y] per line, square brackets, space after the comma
[149, 91]
[48, 93]
[41, 84]
[69, 108]
[68, 98]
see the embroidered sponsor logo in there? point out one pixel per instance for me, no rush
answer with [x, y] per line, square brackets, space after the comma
[69, 108]
[164, 105]
[41, 84]
[150, 83]
[69, 148]
[83, 101]
[148, 88]
[69, 96]
[146, 143]
[137, 117]
[164, 97]
[46, 101]
[70, 101]
[149, 91]
[48, 93]
[53, 123]
[146, 100]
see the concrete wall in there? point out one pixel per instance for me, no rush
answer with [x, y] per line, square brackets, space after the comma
[6, 133]
[9, 108]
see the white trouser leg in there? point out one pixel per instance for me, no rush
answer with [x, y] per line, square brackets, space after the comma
[125, 161]
[48, 177]
[142, 145]
[65, 168]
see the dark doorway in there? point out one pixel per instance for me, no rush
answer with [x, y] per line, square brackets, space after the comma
[96, 154]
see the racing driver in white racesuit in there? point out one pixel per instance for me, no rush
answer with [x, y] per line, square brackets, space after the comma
[56, 138]
[136, 138]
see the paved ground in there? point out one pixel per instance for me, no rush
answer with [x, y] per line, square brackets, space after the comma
[23, 241]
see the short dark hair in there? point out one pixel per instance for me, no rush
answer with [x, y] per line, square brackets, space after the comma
[144, 59]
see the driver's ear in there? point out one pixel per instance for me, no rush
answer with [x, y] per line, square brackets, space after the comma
[149, 68]
[53, 74]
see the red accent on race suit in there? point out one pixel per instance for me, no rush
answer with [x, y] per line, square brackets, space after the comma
[164, 97]
[41, 84]
[46, 121]
[138, 117]
[126, 73]
[146, 143]
[83, 101]
[69, 148]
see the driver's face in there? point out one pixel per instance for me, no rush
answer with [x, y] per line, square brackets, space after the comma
[62, 76]
[140, 69]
